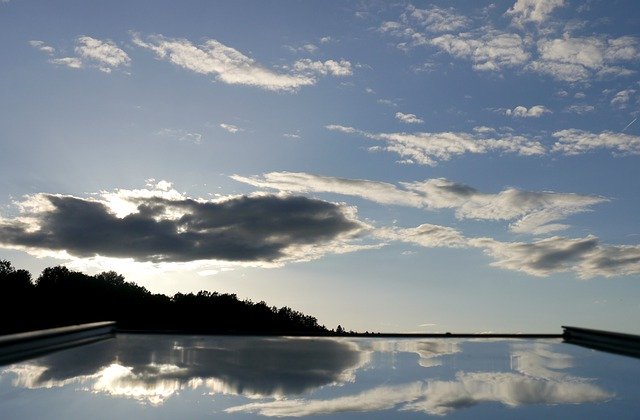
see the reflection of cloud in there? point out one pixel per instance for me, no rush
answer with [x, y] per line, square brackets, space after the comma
[537, 381]
[151, 369]
[442, 397]
[380, 398]
[429, 351]
[540, 361]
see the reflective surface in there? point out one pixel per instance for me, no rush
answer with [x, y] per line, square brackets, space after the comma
[156, 376]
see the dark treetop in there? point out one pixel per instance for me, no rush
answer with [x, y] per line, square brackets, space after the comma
[63, 297]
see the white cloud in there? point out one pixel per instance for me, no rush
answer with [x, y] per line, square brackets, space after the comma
[42, 46]
[437, 19]
[536, 11]
[489, 50]
[105, 53]
[621, 99]
[531, 212]
[574, 141]
[533, 112]
[581, 58]
[329, 67]
[409, 118]
[227, 64]
[429, 148]
[580, 108]
[71, 62]
[230, 128]
[325, 39]
[295, 135]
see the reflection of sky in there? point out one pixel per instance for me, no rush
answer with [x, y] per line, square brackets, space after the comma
[161, 376]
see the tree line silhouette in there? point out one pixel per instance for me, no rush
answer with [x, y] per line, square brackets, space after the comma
[60, 296]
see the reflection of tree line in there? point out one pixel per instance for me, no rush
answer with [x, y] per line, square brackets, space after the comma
[61, 297]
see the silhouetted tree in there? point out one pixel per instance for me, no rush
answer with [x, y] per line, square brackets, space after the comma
[61, 297]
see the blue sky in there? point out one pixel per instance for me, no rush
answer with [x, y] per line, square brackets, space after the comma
[415, 166]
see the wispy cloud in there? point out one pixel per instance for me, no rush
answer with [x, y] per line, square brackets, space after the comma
[409, 118]
[529, 211]
[71, 62]
[586, 257]
[621, 99]
[329, 67]
[580, 109]
[231, 66]
[230, 128]
[181, 135]
[42, 46]
[574, 141]
[91, 52]
[104, 52]
[426, 148]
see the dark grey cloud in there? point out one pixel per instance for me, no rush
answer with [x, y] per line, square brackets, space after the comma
[245, 228]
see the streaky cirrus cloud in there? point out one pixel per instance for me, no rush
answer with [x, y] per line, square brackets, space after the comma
[231, 66]
[71, 62]
[579, 109]
[426, 148]
[573, 141]
[165, 226]
[586, 257]
[409, 118]
[530, 211]
[535, 111]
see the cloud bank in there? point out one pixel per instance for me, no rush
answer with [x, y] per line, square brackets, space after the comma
[565, 58]
[163, 226]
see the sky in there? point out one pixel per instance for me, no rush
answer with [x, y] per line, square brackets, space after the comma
[408, 166]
